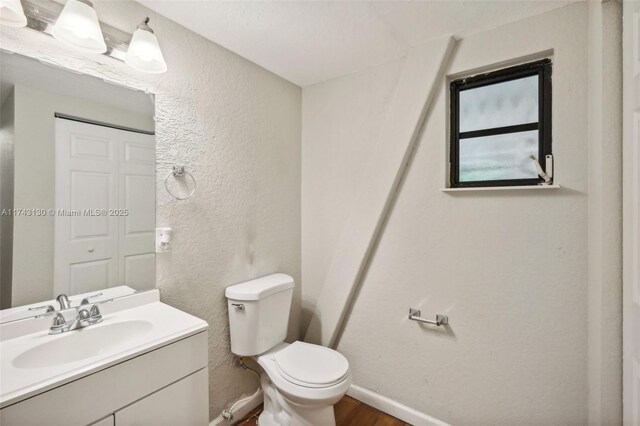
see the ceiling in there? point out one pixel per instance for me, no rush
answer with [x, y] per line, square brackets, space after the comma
[307, 42]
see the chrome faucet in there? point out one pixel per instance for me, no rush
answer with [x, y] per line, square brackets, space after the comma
[63, 300]
[84, 318]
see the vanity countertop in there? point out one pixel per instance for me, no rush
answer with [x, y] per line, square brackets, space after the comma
[33, 361]
[24, 312]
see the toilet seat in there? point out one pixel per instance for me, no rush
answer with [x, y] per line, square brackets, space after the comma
[294, 389]
[311, 366]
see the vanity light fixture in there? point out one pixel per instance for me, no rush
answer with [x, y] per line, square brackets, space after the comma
[12, 14]
[144, 52]
[78, 26]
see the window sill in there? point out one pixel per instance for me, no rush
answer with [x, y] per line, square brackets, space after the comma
[499, 188]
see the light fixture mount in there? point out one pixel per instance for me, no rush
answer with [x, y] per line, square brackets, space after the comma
[42, 15]
[144, 25]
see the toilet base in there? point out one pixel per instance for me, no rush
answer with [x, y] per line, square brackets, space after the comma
[278, 411]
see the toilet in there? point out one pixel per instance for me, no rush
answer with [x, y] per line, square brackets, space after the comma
[301, 382]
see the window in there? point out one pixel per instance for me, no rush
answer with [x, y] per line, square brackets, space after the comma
[498, 120]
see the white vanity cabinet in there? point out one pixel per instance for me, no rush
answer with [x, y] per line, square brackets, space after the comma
[167, 386]
[162, 379]
[181, 403]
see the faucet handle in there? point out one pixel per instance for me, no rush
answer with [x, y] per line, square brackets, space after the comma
[58, 324]
[95, 314]
[83, 314]
[95, 311]
[49, 309]
[85, 301]
[84, 317]
[59, 320]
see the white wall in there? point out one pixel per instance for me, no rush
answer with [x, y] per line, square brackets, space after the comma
[340, 123]
[236, 126]
[509, 268]
[605, 212]
[631, 215]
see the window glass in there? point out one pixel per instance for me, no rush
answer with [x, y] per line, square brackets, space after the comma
[498, 121]
[498, 157]
[498, 105]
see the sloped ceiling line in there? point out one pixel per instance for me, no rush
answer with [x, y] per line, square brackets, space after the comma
[418, 85]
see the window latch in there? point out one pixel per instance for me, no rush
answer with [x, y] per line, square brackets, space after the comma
[546, 176]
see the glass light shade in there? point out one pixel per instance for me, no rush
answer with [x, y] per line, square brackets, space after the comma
[144, 53]
[78, 27]
[11, 13]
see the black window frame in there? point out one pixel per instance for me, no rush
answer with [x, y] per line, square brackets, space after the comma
[543, 69]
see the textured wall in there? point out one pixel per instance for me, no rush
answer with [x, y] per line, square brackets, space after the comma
[508, 267]
[237, 128]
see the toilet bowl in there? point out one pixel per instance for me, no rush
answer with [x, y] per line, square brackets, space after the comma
[301, 382]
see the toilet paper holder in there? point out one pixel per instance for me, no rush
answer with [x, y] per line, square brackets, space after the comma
[415, 315]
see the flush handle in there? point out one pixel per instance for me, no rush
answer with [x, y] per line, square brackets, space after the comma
[238, 306]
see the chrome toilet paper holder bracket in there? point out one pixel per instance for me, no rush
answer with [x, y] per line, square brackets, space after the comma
[415, 315]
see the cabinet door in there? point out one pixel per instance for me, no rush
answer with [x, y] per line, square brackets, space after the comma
[184, 403]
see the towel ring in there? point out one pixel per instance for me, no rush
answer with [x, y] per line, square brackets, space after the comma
[179, 172]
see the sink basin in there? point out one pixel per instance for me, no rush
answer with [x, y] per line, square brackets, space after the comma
[80, 344]
[33, 362]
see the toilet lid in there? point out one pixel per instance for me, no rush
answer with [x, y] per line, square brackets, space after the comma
[311, 365]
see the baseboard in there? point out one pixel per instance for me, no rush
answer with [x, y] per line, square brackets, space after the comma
[393, 408]
[375, 400]
[240, 412]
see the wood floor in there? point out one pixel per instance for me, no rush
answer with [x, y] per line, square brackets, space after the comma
[349, 412]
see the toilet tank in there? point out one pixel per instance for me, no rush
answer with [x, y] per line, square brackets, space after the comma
[259, 313]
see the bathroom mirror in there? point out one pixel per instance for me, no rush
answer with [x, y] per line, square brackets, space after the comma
[77, 188]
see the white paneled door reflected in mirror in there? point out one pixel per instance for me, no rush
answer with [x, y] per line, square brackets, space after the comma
[77, 188]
